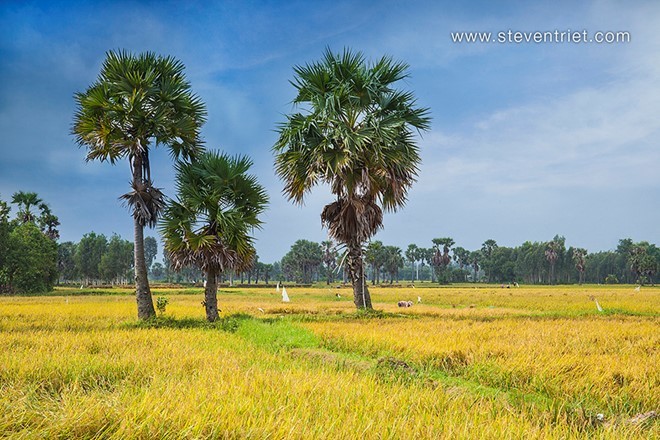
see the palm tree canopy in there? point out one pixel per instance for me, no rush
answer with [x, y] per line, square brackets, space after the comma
[137, 99]
[218, 205]
[25, 201]
[356, 133]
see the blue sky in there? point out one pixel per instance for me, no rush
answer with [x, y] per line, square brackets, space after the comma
[527, 141]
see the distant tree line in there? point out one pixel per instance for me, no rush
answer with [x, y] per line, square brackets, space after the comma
[31, 260]
[95, 259]
[548, 262]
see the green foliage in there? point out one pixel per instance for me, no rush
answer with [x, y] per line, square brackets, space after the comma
[392, 261]
[32, 260]
[25, 201]
[302, 261]
[355, 134]
[47, 221]
[4, 244]
[89, 252]
[66, 262]
[157, 271]
[218, 206]
[150, 250]
[135, 101]
[441, 258]
[117, 260]
[161, 304]
[374, 255]
[611, 279]
[28, 254]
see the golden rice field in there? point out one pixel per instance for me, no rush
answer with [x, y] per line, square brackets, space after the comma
[519, 363]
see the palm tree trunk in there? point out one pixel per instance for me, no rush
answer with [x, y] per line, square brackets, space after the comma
[355, 265]
[211, 295]
[142, 292]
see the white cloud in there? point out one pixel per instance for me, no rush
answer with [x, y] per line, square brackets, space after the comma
[598, 137]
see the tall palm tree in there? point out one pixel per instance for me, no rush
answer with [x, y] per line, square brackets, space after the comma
[355, 134]
[218, 205]
[25, 201]
[136, 102]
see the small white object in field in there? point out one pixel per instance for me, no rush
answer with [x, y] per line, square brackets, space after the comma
[205, 284]
[278, 287]
[419, 299]
[81, 287]
[600, 309]
[637, 288]
[600, 417]
[338, 296]
[413, 286]
[285, 296]
[261, 310]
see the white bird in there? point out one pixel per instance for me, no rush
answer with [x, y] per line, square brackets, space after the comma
[600, 309]
[285, 297]
[261, 310]
[278, 287]
[637, 288]
[419, 299]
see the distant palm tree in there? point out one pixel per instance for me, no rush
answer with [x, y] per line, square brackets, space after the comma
[552, 254]
[579, 258]
[392, 261]
[136, 102]
[475, 259]
[412, 255]
[49, 222]
[329, 259]
[209, 225]
[441, 259]
[25, 201]
[356, 135]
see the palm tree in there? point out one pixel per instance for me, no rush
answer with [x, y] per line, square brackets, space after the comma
[49, 222]
[487, 249]
[412, 255]
[218, 205]
[355, 135]
[551, 254]
[579, 258]
[462, 257]
[329, 259]
[392, 261]
[475, 259]
[441, 260]
[138, 101]
[374, 254]
[25, 201]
